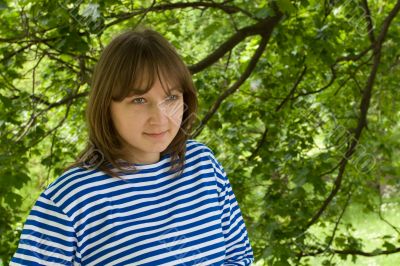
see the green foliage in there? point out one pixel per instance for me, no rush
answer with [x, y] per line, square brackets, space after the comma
[280, 136]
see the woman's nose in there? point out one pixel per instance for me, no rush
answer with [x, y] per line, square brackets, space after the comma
[158, 114]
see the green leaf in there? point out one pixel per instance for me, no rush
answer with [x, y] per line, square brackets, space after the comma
[282, 263]
[210, 29]
[3, 4]
[6, 101]
[264, 12]
[376, 251]
[286, 6]
[389, 246]
[13, 199]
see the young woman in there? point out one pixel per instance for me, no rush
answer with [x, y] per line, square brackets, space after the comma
[142, 192]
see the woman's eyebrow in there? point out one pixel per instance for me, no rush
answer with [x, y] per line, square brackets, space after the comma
[134, 94]
[176, 88]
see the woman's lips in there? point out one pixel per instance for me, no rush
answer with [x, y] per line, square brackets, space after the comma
[156, 135]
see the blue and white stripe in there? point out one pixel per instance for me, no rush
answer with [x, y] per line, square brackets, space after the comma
[86, 217]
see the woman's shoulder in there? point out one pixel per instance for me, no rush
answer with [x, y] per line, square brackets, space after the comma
[195, 144]
[70, 178]
[200, 149]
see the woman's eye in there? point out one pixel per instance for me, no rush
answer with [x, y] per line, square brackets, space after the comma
[143, 100]
[173, 97]
[138, 100]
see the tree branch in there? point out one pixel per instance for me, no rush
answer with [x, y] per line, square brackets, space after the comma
[264, 27]
[333, 78]
[250, 67]
[53, 129]
[260, 143]
[334, 73]
[296, 84]
[380, 212]
[353, 57]
[362, 121]
[170, 6]
[8, 56]
[66, 100]
[353, 252]
[33, 118]
[346, 204]
[368, 18]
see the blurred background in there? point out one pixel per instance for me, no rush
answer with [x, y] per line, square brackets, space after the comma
[299, 100]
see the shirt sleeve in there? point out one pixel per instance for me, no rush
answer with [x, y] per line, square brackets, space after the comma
[238, 250]
[48, 237]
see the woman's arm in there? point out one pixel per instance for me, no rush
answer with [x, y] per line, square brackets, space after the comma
[48, 237]
[237, 244]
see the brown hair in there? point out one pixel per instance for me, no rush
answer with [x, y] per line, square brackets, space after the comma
[131, 59]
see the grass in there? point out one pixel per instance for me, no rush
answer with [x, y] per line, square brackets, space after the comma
[370, 228]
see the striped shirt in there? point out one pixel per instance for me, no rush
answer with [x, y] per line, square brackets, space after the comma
[86, 217]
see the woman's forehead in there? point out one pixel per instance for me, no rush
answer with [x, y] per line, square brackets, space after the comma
[166, 87]
[146, 79]
[143, 79]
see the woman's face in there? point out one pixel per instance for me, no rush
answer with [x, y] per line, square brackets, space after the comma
[140, 119]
